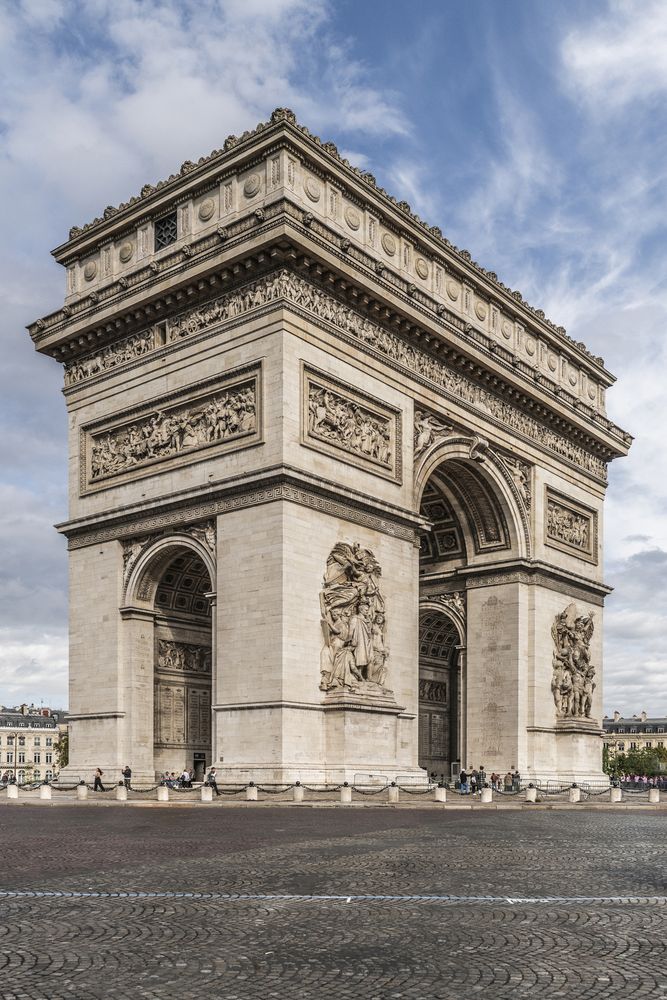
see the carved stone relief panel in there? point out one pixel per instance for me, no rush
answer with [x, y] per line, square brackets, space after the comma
[434, 691]
[173, 430]
[521, 476]
[429, 429]
[183, 657]
[572, 683]
[302, 293]
[355, 653]
[350, 425]
[570, 526]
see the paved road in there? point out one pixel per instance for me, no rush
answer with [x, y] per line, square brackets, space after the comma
[319, 903]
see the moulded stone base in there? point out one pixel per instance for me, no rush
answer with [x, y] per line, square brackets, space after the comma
[570, 752]
[362, 773]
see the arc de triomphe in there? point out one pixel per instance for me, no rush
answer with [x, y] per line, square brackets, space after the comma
[335, 490]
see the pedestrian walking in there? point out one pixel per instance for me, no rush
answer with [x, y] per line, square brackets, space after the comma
[127, 775]
[97, 783]
[212, 780]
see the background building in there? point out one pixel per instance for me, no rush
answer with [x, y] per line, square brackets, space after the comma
[637, 732]
[28, 736]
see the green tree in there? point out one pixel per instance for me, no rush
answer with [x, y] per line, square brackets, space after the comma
[648, 761]
[61, 750]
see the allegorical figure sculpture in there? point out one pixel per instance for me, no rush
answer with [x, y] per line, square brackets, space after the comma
[572, 682]
[354, 655]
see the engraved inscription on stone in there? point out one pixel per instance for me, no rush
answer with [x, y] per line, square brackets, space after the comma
[570, 527]
[346, 422]
[169, 429]
[170, 714]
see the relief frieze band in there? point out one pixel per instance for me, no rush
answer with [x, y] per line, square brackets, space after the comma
[350, 425]
[183, 657]
[226, 415]
[284, 285]
[570, 526]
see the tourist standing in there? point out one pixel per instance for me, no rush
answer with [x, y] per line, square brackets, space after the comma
[127, 775]
[212, 780]
[463, 782]
[97, 783]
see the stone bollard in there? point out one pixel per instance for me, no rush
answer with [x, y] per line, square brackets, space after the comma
[206, 793]
[297, 792]
[345, 793]
[393, 792]
[487, 795]
[162, 793]
[440, 793]
[12, 791]
[121, 792]
[82, 791]
[45, 791]
[575, 794]
[615, 794]
[654, 795]
[531, 794]
[251, 792]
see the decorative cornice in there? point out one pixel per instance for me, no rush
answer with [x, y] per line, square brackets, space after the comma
[278, 484]
[535, 573]
[284, 118]
[152, 311]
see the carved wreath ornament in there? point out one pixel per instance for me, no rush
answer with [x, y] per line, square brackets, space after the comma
[354, 655]
[572, 683]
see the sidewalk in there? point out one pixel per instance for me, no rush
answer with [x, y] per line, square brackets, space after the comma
[331, 800]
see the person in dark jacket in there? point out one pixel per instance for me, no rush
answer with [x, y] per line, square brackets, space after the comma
[127, 775]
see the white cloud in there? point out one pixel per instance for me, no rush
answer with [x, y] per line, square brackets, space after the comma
[100, 97]
[620, 56]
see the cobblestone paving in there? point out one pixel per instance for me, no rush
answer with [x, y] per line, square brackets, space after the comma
[258, 924]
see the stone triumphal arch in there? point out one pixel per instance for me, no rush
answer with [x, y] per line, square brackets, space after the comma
[335, 490]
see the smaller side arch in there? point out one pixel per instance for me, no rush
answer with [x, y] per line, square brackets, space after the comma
[151, 561]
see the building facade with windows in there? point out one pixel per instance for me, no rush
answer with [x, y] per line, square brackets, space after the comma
[28, 736]
[638, 732]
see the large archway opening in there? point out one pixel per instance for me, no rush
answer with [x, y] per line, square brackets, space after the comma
[475, 522]
[440, 692]
[183, 663]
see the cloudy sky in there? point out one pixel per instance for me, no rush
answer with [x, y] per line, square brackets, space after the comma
[533, 133]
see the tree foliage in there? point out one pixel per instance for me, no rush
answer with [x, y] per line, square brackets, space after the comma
[648, 760]
[61, 750]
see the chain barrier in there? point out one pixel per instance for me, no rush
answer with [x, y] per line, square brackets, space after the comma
[145, 791]
[322, 789]
[416, 791]
[369, 791]
[236, 791]
[273, 791]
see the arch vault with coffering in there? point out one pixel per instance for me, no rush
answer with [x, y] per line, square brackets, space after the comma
[335, 491]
